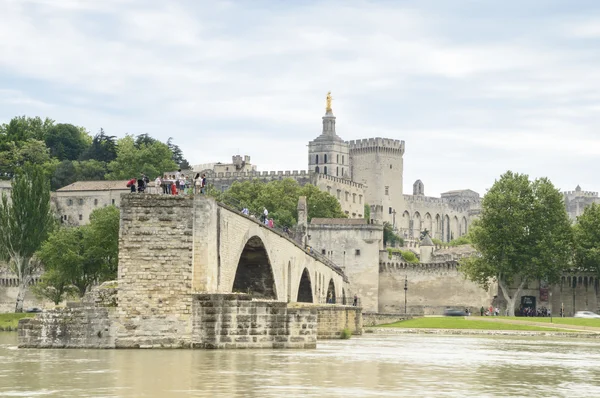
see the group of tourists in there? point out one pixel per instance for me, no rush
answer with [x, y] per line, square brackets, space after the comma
[491, 311]
[528, 311]
[138, 185]
[173, 184]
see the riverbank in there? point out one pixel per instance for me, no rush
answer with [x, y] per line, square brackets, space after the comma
[479, 332]
[467, 323]
[10, 322]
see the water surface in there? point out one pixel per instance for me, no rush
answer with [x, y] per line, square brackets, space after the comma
[370, 366]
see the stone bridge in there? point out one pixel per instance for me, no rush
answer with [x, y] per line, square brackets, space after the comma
[196, 273]
[171, 247]
[236, 253]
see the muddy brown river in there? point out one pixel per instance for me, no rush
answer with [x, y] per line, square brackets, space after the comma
[369, 366]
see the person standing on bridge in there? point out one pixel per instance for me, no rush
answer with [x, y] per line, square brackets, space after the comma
[271, 223]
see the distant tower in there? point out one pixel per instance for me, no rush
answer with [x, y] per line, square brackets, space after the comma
[418, 188]
[328, 153]
[302, 226]
[378, 163]
[426, 249]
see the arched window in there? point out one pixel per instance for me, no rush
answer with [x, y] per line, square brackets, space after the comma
[316, 169]
[342, 159]
[325, 159]
[337, 159]
[337, 171]
[325, 169]
[317, 159]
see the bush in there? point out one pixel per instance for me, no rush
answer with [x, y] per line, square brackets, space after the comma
[437, 242]
[463, 240]
[407, 255]
[345, 334]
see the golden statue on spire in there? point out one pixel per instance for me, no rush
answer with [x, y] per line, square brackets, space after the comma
[328, 100]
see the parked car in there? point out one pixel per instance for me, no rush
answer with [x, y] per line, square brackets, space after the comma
[34, 309]
[586, 314]
[454, 312]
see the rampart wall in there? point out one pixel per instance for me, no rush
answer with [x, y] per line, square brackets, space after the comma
[432, 288]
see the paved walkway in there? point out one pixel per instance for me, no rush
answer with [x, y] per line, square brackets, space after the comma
[533, 323]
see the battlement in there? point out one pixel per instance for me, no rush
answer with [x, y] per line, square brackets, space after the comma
[260, 174]
[426, 199]
[588, 194]
[341, 181]
[378, 142]
[394, 265]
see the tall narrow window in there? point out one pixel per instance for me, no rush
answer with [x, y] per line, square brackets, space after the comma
[317, 159]
[317, 169]
[325, 169]
[342, 159]
[387, 190]
[337, 159]
[325, 159]
[337, 171]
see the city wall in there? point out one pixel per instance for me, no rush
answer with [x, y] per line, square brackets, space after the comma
[432, 288]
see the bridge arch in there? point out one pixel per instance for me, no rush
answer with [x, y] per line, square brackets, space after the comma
[331, 290]
[254, 274]
[305, 291]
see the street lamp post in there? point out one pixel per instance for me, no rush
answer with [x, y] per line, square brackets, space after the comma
[405, 289]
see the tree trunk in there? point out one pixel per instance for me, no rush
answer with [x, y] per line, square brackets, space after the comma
[510, 300]
[21, 295]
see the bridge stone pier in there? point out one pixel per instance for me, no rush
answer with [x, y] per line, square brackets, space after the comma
[196, 273]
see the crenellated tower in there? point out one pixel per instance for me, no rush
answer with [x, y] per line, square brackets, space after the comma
[328, 153]
[378, 163]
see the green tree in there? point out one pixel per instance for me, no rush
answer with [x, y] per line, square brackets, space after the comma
[177, 155]
[103, 148]
[90, 170]
[367, 212]
[587, 239]
[75, 258]
[151, 158]
[16, 154]
[22, 128]
[25, 222]
[389, 237]
[280, 198]
[67, 142]
[64, 174]
[101, 241]
[523, 234]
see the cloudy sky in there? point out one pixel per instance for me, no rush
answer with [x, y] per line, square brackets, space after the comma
[474, 88]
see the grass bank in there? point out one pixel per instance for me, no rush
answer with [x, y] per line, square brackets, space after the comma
[461, 323]
[10, 322]
[555, 320]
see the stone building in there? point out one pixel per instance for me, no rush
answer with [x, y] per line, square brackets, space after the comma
[576, 201]
[363, 172]
[75, 202]
[353, 245]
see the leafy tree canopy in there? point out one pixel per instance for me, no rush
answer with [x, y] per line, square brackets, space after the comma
[177, 155]
[22, 128]
[587, 239]
[150, 157]
[390, 238]
[16, 154]
[75, 258]
[523, 234]
[103, 148]
[67, 142]
[280, 198]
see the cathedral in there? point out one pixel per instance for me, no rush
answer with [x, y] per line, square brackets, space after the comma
[365, 172]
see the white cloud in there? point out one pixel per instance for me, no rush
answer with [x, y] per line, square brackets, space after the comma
[226, 75]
